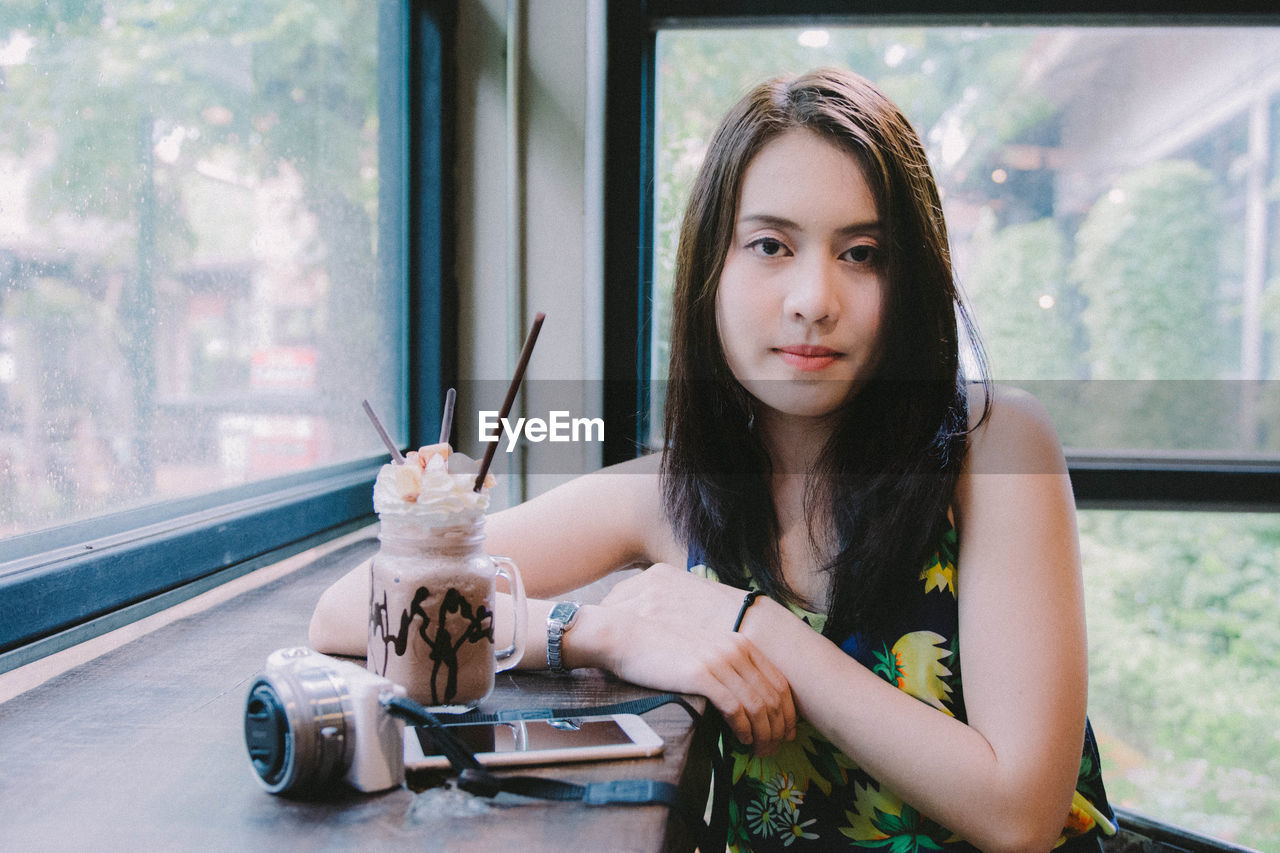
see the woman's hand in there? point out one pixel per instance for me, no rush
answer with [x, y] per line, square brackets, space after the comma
[663, 591]
[673, 631]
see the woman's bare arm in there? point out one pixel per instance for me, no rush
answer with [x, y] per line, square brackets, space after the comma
[569, 537]
[566, 538]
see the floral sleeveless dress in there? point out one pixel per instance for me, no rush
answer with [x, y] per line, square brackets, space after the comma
[809, 795]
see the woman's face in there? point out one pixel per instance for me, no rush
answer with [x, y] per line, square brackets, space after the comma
[800, 299]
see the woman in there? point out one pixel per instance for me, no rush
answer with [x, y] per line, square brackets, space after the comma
[824, 448]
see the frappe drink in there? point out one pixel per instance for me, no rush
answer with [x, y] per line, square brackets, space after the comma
[431, 604]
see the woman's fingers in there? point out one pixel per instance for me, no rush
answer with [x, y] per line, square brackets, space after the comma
[785, 722]
[779, 705]
[752, 695]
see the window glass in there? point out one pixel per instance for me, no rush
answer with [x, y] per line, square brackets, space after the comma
[1111, 199]
[192, 294]
[1184, 633]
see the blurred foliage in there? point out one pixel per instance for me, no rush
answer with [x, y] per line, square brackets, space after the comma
[248, 84]
[1159, 223]
[163, 141]
[1018, 286]
[1184, 633]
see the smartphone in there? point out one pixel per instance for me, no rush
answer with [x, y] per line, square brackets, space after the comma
[530, 742]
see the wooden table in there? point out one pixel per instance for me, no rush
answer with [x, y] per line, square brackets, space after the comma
[141, 747]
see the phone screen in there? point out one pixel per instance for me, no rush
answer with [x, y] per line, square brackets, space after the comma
[530, 736]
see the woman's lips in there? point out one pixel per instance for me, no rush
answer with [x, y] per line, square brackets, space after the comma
[808, 357]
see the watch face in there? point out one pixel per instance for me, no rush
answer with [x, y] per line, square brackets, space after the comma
[564, 612]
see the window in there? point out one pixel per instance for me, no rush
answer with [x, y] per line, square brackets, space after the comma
[1183, 639]
[1109, 184]
[205, 260]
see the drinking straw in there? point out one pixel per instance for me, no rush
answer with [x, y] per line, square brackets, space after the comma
[446, 423]
[511, 393]
[396, 456]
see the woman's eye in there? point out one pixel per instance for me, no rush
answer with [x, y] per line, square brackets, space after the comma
[769, 247]
[863, 254]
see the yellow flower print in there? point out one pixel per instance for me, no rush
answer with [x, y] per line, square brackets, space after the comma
[809, 758]
[880, 819]
[914, 664]
[940, 575]
[868, 801]
[1083, 817]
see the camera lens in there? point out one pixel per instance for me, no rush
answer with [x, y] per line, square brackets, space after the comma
[266, 731]
[296, 730]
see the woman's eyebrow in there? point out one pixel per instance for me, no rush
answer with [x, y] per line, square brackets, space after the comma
[869, 227]
[768, 219]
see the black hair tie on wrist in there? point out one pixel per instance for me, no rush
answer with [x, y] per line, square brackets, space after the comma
[746, 604]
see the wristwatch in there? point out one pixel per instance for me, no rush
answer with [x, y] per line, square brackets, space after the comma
[559, 622]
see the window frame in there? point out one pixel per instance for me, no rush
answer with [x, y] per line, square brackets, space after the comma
[1163, 481]
[64, 585]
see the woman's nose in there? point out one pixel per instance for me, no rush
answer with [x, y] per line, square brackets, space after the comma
[811, 296]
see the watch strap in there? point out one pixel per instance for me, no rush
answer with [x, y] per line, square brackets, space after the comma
[558, 622]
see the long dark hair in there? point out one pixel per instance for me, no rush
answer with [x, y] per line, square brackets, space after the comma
[887, 477]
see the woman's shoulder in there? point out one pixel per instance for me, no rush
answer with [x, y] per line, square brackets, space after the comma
[1017, 441]
[1011, 433]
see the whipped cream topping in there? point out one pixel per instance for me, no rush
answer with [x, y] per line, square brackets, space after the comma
[435, 487]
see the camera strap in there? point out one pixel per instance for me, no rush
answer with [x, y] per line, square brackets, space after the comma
[476, 779]
[635, 706]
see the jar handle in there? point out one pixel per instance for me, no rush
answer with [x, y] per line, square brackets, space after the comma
[511, 655]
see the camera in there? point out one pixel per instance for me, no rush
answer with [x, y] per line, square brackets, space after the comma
[311, 720]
